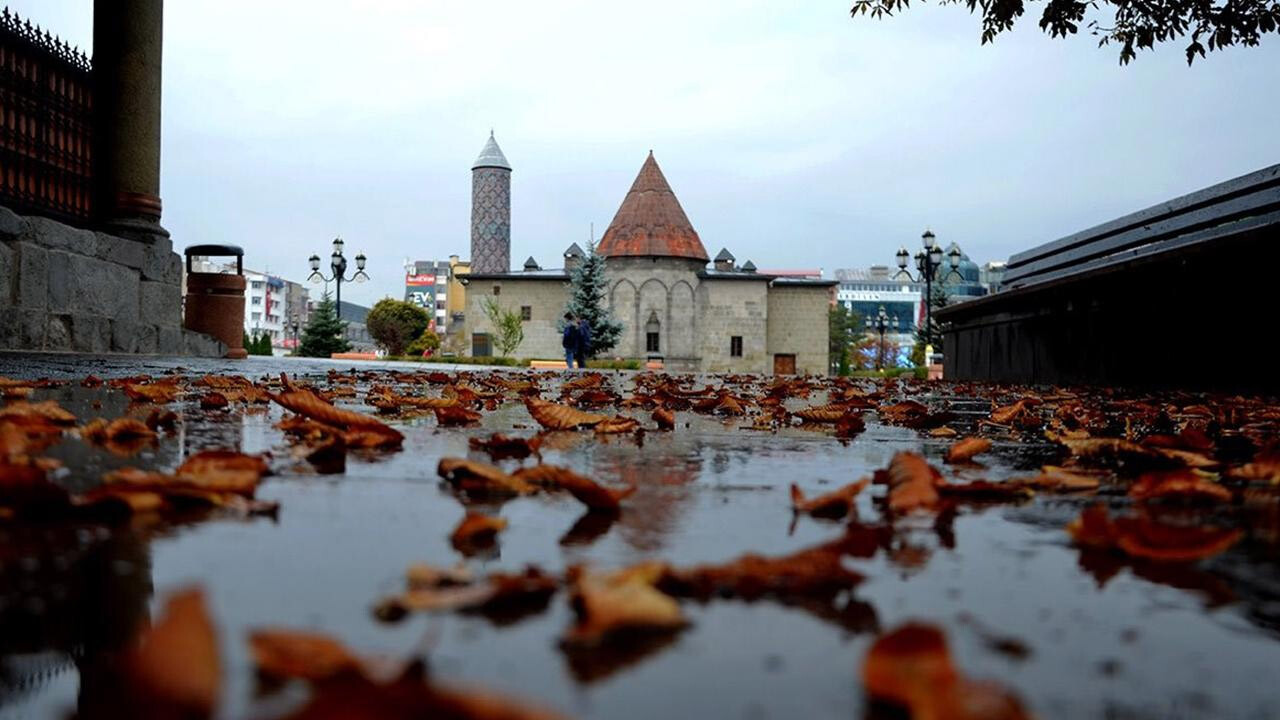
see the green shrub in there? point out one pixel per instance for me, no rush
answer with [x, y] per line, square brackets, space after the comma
[428, 340]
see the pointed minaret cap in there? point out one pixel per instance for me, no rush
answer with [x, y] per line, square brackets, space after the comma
[491, 156]
[574, 251]
[650, 221]
[531, 264]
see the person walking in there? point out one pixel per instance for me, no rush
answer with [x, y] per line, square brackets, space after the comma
[572, 339]
[584, 342]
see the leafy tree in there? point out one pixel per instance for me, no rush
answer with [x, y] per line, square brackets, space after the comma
[428, 340]
[508, 328]
[844, 331]
[588, 287]
[394, 324]
[1131, 25]
[323, 335]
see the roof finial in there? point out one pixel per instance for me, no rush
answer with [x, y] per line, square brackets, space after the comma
[650, 152]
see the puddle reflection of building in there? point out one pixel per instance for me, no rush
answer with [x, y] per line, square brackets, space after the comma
[73, 595]
[663, 480]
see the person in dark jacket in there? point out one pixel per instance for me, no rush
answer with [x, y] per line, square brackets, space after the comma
[584, 342]
[572, 339]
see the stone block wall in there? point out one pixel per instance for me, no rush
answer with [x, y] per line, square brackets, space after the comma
[798, 326]
[67, 289]
[546, 300]
[728, 308]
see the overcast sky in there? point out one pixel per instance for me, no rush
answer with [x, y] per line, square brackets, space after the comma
[792, 135]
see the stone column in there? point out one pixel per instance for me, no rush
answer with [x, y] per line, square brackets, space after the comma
[127, 43]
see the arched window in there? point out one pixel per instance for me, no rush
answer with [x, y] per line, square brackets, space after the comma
[653, 334]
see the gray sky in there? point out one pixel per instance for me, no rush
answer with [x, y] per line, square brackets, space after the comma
[792, 135]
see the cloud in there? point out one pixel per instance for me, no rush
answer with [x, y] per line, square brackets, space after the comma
[792, 134]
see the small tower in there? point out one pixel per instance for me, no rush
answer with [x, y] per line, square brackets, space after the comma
[491, 211]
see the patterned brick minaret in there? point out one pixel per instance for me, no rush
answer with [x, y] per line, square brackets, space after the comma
[491, 211]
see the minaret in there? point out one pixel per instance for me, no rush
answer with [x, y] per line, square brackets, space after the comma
[491, 211]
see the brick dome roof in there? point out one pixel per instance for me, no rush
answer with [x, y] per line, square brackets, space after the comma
[651, 222]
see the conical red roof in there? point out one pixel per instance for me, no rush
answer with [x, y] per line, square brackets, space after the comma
[651, 222]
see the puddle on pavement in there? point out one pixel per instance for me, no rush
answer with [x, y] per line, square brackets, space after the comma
[1073, 637]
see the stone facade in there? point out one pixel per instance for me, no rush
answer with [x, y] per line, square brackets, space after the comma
[798, 324]
[68, 289]
[733, 322]
[546, 299]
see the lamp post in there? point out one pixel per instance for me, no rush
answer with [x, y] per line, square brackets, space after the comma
[881, 324]
[338, 264]
[295, 325]
[928, 261]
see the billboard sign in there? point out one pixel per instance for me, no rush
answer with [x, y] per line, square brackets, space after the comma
[419, 280]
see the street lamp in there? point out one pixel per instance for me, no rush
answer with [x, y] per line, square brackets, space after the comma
[295, 325]
[881, 324]
[338, 264]
[928, 262]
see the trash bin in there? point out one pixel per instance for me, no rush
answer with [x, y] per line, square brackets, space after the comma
[215, 301]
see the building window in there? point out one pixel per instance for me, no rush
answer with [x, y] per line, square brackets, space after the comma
[497, 289]
[735, 346]
[651, 342]
[256, 316]
[526, 312]
[255, 301]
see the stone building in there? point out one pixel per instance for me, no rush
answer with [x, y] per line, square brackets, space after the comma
[672, 306]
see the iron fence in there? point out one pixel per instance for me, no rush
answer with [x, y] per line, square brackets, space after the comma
[46, 123]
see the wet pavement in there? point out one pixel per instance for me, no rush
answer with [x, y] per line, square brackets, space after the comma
[1019, 602]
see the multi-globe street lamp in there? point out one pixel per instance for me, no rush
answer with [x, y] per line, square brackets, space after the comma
[928, 262]
[881, 324]
[338, 264]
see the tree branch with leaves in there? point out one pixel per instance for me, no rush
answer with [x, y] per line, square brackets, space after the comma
[508, 328]
[1210, 24]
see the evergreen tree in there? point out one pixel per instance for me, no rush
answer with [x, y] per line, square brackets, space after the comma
[589, 285]
[323, 335]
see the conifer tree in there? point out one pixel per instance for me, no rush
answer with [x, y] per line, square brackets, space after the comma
[588, 287]
[323, 335]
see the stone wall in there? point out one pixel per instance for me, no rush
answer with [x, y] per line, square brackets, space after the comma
[664, 289]
[546, 300]
[67, 289]
[728, 308]
[798, 326]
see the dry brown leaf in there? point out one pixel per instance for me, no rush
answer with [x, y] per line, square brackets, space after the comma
[835, 504]
[817, 571]
[586, 490]
[1141, 537]
[455, 415]
[665, 419]
[616, 425]
[560, 417]
[45, 412]
[964, 450]
[476, 531]
[285, 654]
[1061, 480]
[911, 667]
[159, 393]
[912, 483]
[174, 670]
[501, 447]
[477, 477]
[1184, 484]
[609, 604]
[306, 402]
